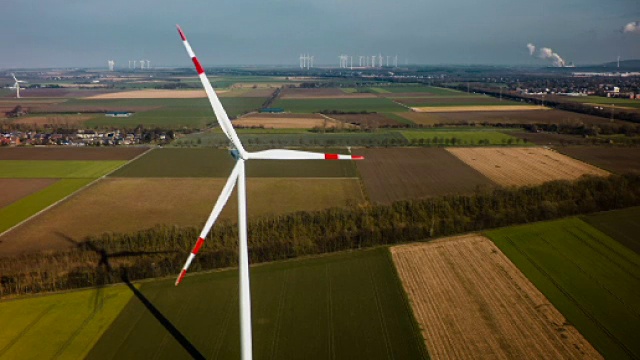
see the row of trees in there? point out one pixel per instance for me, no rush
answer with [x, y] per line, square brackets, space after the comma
[161, 251]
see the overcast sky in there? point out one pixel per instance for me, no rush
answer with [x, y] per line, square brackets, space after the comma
[87, 33]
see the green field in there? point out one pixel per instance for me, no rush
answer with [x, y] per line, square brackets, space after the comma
[206, 162]
[590, 278]
[344, 306]
[622, 225]
[62, 326]
[24, 208]
[162, 112]
[425, 89]
[346, 105]
[59, 169]
[632, 103]
[470, 137]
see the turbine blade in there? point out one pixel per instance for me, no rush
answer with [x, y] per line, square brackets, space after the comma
[216, 105]
[14, 77]
[283, 154]
[217, 209]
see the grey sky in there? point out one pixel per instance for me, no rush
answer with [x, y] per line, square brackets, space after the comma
[60, 33]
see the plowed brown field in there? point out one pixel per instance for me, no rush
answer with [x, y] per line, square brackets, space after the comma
[617, 159]
[473, 303]
[394, 174]
[132, 204]
[14, 189]
[285, 121]
[524, 166]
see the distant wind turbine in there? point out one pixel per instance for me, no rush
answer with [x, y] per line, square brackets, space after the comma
[237, 177]
[16, 85]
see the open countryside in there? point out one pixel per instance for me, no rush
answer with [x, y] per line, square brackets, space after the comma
[494, 214]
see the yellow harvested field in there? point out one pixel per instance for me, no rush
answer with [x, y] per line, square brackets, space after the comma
[524, 166]
[131, 204]
[286, 122]
[153, 94]
[437, 109]
[471, 302]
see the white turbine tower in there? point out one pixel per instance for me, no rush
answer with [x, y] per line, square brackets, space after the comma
[16, 85]
[237, 177]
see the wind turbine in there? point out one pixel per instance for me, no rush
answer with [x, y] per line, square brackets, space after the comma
[17, 85]
[237, 177]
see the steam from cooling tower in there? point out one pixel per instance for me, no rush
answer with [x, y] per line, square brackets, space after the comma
[546, 54]
[632, 27]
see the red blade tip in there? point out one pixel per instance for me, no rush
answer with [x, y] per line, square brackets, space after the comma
[184, 38]
[182, 274]
[357, 157]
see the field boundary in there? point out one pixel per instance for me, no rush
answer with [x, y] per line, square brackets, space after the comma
[70, 195]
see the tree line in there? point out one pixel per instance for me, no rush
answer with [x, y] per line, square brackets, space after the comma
[161, 251]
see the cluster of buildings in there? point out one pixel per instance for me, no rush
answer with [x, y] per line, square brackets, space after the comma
[81, 138]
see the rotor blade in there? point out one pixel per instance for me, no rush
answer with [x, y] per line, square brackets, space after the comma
[217, 209]
[14, 77]
[283, 154]
[221, 114]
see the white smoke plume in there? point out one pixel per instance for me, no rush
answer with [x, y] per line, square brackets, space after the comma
[546, 54]
[532, 48]
[632, 27]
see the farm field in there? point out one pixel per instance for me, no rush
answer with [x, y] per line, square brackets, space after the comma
[370, 120]
[523, 166]
[473, 108]
[204, 162]
[426, 90]
[440, 101]
[150, 94]
[15, 189]
[311, 308]
[504, 117]
[589, 277]
[346, 105]
[22, 209]
[452, 137]
[622, 225]
[70, 153]
[258, 139]
[321, 93]
[70, 322]
[177, 201]
[605, 101]
[58, 169]
[549, 139]
[58, 120]
[169, 112]
[286, 121]
[396, 174]
[472, 302]
[615, 159]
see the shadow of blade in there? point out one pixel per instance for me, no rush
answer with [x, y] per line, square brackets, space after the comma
[181, 339]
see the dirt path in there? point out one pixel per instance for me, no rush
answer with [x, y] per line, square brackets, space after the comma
[472, 302]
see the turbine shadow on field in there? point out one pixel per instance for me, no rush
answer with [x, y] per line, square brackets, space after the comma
[124, 277]
[180, 338]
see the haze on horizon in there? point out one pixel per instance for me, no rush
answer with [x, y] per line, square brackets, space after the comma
[76, 33]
